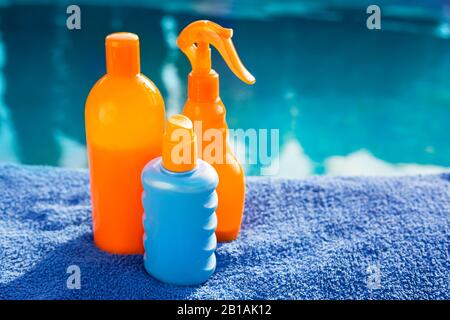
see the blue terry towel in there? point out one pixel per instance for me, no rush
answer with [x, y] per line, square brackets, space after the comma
[321, 238]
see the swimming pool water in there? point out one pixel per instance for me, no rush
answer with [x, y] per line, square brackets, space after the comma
[346, 100]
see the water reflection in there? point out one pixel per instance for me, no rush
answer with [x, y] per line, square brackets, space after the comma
[332, 88]
[7, 132]
[362, 162]
[174, 99]
[32, 116]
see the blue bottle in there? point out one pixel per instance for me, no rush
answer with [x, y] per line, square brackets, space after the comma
[179, 201]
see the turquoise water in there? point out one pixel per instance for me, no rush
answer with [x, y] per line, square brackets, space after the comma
[346, 100]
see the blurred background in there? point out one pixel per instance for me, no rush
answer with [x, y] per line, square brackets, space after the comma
[346, 100]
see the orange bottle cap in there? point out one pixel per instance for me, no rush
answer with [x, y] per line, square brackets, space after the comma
[179, 145]
[122, 54]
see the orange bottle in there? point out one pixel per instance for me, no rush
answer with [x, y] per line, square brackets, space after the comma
[124, 128]
[204, 106]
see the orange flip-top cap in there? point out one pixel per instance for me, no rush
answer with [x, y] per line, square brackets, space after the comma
[122, 53]
[179, 151]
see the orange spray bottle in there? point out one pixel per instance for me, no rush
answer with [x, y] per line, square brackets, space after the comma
[124, 129]
[205, 107]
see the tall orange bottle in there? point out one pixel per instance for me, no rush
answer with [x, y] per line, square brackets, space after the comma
[205, 107]
[124, 128]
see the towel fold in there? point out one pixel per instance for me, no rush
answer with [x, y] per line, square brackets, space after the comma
[320, 238]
